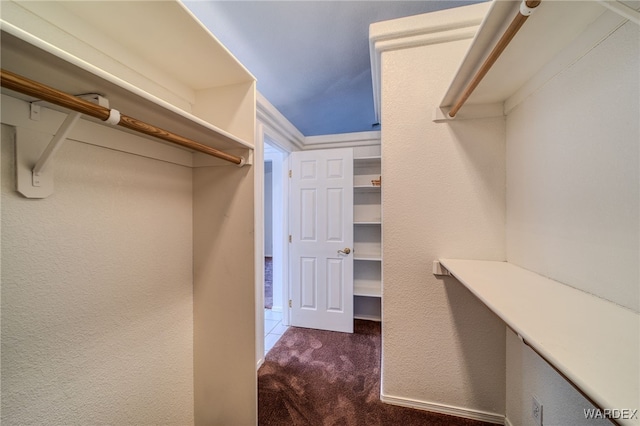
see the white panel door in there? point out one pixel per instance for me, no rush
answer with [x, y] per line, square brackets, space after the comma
[322, 239]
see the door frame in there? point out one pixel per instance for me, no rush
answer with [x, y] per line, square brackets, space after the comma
[264, 133]
[280, 163]
[258, 226]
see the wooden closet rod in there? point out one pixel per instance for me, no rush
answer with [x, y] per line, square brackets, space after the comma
[526, 9]
[38, 90]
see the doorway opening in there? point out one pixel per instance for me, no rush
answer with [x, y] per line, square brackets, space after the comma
[275, 231]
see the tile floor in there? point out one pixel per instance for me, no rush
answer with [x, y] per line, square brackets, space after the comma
[273, 328]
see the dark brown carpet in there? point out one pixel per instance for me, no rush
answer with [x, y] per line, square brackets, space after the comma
[315, 377]
[268, 282]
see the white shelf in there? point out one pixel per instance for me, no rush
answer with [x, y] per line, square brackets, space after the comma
[365, 170]
[367, 279]
[366, 188]
[593, 342]
[367, 317]
[170, 85]
[552, 27]
[367, 206]
[367, 161]
[367, 308]
[367, 288]
[373, 257]
[367, 241]
[368, 222]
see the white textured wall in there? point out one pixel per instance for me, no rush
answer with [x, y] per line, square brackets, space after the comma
[443, 196]
[529, 375]
[573, 174]
[97, 310]
[573, 191]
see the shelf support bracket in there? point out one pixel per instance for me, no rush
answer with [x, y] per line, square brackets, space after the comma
[439, 269]
[54, 146]
[34, 174]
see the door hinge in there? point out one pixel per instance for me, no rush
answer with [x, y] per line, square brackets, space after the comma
[289, 238]
[290, 303]
[289, 173]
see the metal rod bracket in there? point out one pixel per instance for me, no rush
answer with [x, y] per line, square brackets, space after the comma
[34, 111]
[526, 10]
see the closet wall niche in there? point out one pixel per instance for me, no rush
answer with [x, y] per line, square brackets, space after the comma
[124, 276]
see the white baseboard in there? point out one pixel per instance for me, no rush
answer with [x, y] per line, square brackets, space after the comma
[466, 413]
[507, 422]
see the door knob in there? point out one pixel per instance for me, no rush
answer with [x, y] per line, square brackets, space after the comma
[345, 251]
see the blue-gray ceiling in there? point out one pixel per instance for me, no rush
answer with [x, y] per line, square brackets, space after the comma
[311, 58]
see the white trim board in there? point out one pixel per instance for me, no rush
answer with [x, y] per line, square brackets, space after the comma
[421, 30]
[450, 410]
[341, 140]
[258, 259]
[288, 138]
[277, 127]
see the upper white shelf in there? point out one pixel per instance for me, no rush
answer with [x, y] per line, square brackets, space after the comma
[553, 26]
[375, 257]
[367, 288]
[373, 221]
[367, 161]
[367, 188]
[593, 342]
[152, 60]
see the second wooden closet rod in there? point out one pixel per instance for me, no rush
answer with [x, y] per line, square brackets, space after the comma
[526, 9]
[29, 87]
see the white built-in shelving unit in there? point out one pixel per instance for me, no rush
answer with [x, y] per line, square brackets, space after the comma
[367, 237]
